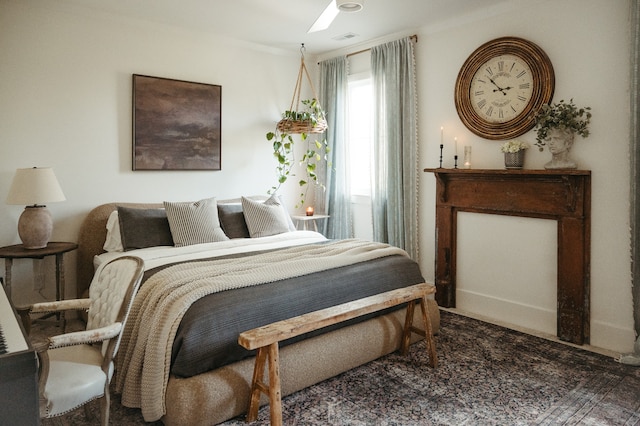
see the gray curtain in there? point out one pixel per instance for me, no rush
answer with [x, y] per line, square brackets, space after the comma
[337, 198]
[395, 151]
[634, 358]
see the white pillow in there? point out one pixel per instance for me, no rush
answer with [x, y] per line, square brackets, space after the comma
[265, 218]
[113, 242]
[194, 222]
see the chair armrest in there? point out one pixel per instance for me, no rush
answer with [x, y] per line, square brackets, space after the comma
[85, 336]
[62, 305]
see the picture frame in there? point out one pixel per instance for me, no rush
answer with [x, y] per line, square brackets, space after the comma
[176, 124]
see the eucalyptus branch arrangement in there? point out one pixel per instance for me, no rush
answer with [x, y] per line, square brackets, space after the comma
[561, 115]
[311, 120]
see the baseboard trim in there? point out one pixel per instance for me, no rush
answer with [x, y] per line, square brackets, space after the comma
[602, 351]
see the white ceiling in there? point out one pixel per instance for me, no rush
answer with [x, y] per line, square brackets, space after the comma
[283, 24]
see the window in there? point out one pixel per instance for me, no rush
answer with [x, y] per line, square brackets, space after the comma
[360, 132]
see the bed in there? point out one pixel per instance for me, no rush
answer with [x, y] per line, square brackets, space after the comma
[260, 277]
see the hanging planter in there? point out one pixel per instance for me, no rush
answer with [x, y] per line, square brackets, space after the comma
[311, 119]
[308, 117]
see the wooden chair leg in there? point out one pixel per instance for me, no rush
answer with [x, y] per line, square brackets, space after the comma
[105, 403]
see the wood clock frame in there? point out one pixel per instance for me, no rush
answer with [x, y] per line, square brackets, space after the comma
[543, 81]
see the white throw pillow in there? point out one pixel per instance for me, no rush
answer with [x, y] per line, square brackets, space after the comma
[113, 242]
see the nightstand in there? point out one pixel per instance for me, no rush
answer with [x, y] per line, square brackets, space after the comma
[309, 220]
[57, 249]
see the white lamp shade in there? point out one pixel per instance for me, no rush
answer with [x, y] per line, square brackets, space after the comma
[35, 186]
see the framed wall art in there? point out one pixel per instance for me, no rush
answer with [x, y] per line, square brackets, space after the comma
[176, 124]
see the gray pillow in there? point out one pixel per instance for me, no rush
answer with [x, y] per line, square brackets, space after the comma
[232, 220]
[194, 222]
[265, 218]
[140, 228]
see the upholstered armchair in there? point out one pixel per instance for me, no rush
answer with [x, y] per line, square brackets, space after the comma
[77, 367]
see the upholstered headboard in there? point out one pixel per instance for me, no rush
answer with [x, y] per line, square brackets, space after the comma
[93, 233]
[91, 240]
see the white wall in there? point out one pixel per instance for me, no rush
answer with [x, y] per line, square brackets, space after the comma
[66, 103]
[588, 44]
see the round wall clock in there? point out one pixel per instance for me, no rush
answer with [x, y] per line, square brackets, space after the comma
[501, 86]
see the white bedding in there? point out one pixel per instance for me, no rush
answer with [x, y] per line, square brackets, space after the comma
[159, 256]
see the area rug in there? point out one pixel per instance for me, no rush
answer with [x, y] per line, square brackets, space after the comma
[487, 375]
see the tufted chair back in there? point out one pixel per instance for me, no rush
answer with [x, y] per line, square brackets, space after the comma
[108, 293]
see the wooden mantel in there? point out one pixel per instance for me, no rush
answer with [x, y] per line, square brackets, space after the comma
[561, 195]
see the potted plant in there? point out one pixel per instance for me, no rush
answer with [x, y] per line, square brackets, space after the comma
[311, 120]
[514, 153]
[556, 127]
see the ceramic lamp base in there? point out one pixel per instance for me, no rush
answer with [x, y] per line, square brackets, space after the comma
[35, 226]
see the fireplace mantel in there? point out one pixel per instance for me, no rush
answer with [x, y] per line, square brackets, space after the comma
[561, 195]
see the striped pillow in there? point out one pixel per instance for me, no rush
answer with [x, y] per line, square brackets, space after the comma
[265, 218]
[194, 222]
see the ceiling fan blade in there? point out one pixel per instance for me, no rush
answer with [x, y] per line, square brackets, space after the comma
[326, 18]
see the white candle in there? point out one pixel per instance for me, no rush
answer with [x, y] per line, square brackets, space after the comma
[456, 142]
[441, 135]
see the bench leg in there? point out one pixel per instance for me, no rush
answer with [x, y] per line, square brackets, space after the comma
[408, 324]
[431, 344]
[266, 354]
[427, 333]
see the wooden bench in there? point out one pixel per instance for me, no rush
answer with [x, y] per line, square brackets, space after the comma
[265, 339]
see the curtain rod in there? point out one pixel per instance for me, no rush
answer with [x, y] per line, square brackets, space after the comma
[413, 37]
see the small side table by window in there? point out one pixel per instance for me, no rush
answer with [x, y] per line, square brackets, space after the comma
[57, 249]
[308, 220]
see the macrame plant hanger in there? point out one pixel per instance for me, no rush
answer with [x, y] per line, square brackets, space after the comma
[301, 124]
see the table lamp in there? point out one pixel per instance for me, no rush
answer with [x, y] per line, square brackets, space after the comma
[33, 187]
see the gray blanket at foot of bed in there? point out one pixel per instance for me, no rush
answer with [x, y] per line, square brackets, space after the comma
[207, 337]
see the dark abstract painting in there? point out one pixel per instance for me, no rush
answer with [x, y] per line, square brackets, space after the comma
[176, 124]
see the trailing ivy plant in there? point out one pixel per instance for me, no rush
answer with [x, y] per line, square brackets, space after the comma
[317, 150]
[561, 115]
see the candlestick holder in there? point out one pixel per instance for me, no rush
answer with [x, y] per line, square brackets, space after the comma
[441, 146]
[455, 159]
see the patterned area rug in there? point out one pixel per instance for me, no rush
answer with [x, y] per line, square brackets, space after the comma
[487, 375]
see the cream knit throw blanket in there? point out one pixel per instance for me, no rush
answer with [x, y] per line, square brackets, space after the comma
[143, 361]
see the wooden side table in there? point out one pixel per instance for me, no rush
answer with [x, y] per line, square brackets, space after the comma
[307, 220]
[57, 249]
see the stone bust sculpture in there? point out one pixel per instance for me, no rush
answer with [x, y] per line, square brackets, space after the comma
[559, 142]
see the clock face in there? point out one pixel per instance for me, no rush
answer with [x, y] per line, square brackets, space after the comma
[501, 86]
[501, 89]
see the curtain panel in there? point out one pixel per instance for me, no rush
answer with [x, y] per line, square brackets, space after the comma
[337, 196]
[395, 151]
